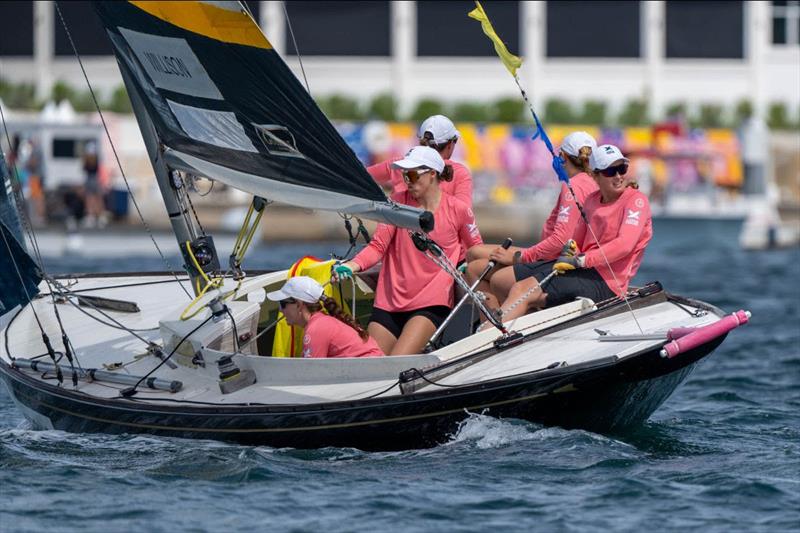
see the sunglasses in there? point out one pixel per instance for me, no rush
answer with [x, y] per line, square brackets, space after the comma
[283, 303]
[411, 176]
[610, 172]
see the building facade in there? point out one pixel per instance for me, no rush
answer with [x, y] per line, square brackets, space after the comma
[662, 52]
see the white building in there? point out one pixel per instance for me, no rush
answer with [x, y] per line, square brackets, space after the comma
[664, 52]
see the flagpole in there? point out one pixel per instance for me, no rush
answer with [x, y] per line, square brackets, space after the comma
[512, 63]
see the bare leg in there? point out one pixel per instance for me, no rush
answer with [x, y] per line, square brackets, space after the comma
[502, 281]
[474, 269]
[523, 296]
[481, 251]
[415, 336]
[382, 336]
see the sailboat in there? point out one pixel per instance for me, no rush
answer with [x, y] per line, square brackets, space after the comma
[189, 354]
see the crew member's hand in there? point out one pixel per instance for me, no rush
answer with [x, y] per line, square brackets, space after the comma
[341, 271]
[570, 248]
[503, 256]
[568, 262]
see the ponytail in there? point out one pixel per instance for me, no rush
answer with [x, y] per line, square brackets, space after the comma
[336, 312]
[447, 173]
[427, 140]
[582, 160]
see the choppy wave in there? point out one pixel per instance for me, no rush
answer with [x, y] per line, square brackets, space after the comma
[722, 454]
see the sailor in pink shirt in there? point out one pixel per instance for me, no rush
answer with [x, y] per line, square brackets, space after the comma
[414, 295]
[439, 133]
[576, 149]
[335, 334]
[603, 257]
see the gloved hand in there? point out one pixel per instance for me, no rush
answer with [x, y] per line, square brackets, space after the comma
[341, 271]
[568, 262]
[570, 248]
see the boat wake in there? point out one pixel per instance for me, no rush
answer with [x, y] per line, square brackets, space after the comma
[484, 432]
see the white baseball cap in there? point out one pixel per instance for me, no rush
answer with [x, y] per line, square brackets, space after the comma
[604, 156]
[576, 140]
[300, 288]
[421, 156]
[441, 127]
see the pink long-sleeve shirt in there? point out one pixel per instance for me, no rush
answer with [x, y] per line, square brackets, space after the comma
[623, 227]
[326, 336]
[408, 280]
[563, 220]
[460, 186]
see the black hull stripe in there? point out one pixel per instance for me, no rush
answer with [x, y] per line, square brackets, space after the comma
[307, 428]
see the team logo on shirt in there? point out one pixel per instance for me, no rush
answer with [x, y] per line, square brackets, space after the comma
[639, 203]
[633, 217]
[563, 213]
[473, 229]
[568, 197]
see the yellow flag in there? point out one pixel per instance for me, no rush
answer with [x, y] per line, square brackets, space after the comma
[511, 61]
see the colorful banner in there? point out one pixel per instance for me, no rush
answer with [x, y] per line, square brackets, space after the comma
[508, 166]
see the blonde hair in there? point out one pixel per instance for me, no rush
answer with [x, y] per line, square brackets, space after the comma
[582, 160]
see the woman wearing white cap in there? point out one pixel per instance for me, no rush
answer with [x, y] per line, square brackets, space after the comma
[606, 254]
[336, 334]
[559, 227]
[439, 133]
[414, 295]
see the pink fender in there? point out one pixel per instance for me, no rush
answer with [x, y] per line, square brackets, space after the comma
[684, 339]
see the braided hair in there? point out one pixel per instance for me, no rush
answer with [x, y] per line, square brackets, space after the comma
[338, 313]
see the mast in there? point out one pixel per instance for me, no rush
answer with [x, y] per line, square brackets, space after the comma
[182, 226]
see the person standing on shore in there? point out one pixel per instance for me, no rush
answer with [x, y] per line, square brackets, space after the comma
[92, 189]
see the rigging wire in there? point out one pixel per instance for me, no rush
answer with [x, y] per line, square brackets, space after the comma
[19, 200]
[559, 171]
[116, 324]
[114, 150]
[191, 205]
[296, 50]
[22, 214]
[22, 283]
[120, 286]
[132, 390]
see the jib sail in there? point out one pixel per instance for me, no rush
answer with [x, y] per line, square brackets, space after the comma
[226, 106]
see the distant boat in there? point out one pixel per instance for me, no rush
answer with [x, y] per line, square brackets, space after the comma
[214, 99]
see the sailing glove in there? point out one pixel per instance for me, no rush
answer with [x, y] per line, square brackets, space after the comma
[568, 262]
[570, 248]
[342, 271]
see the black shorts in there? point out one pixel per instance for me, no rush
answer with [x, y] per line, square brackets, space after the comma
[585, 282]
[395, 321]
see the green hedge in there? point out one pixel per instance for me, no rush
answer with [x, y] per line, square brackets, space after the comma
[384, 106]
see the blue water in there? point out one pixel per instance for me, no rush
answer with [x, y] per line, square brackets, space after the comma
[722, 454]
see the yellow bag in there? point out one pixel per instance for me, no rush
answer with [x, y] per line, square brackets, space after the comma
[289, 339]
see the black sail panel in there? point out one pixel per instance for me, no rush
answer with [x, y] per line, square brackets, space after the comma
[19, 275]
[217, 91]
